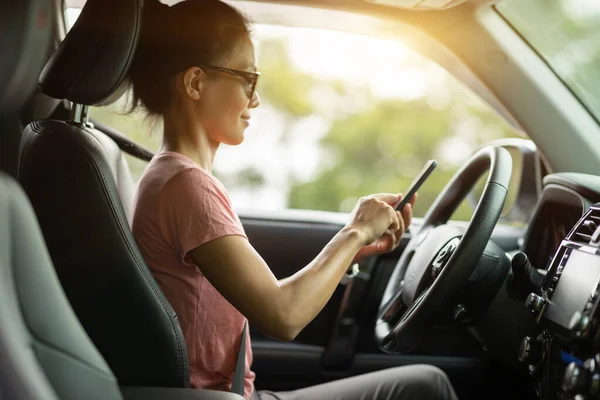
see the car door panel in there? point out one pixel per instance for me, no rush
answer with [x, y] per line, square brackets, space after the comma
[288, 241]
[287, 246]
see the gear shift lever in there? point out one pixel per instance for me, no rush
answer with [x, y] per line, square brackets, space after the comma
[525, 279]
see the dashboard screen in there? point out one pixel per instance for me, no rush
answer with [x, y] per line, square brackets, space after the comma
[579, 279]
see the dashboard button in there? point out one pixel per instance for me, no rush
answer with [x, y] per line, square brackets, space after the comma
[535, 302]
[579, 324]
[575, 379]
[530, 351]
[590, 364]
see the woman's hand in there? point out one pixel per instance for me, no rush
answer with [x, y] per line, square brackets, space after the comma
[390, 238]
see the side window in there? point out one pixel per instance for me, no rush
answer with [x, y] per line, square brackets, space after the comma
[341, 116]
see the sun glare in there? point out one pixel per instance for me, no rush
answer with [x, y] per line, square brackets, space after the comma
[384, 65]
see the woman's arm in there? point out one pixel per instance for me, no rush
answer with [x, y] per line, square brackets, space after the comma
[281, 309]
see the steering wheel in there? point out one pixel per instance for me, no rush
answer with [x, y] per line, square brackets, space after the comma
[439, 259]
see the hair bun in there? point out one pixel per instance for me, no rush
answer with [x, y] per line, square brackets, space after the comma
[155, 25]
[153, 12]
[154, 6]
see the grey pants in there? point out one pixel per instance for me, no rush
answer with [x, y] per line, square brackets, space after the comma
[414, 382]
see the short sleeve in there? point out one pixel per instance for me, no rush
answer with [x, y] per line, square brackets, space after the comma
[199, 211]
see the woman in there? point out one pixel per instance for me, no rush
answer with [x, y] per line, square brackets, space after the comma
[195, 69]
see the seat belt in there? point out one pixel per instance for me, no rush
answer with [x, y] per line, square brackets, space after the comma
[239, 375]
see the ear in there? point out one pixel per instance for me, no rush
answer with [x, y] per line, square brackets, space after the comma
[193, 80]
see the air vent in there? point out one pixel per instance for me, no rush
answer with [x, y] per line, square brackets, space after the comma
[587, 230]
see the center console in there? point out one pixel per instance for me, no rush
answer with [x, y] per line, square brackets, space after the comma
[564, 357]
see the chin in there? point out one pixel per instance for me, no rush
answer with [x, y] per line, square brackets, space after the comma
[237, 142]
[235, 139]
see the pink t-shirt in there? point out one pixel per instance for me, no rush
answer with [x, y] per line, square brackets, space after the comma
[179, 206]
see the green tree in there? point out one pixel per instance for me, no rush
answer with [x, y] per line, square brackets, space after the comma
[371, 145]
[382, 148]
[566, 34]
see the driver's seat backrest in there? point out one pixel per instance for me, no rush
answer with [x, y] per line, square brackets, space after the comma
[75, 177]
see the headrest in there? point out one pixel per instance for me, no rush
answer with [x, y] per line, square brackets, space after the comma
[25, 32]
[92, 61]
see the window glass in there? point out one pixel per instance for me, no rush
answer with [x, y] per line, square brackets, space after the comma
[342, 116]
[565, 33]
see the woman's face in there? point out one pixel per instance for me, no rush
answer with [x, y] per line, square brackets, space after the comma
[224, 107]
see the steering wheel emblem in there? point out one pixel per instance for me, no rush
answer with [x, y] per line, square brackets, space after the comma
[441, 259]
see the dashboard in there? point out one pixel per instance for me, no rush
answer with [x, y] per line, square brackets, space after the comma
[564, 200]
[562, 244]
[557, 212]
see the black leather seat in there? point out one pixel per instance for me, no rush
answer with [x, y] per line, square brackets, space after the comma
[44, 352]
[81, 190]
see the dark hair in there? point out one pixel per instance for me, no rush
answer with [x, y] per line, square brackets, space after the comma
[174, 38]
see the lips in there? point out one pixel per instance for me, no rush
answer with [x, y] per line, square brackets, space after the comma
[246, 119]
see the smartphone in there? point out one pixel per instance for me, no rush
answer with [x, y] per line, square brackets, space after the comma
[416, 183]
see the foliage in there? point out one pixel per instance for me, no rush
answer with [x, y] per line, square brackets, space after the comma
[370, 145]
[382, 143]
[566, 34]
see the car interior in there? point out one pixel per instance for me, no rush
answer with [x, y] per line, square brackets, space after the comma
[506, 304]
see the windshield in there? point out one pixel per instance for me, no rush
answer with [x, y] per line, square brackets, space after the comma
[565, 33]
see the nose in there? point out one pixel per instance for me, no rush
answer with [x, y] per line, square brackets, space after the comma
[255, 102]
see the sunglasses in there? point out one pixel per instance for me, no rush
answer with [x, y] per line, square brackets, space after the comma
[251, 78]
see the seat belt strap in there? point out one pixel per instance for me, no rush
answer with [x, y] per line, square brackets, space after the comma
[239, 375]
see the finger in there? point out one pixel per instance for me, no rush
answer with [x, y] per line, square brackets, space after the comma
[389, 198]
[386, 242]
[413, 199]
[395, 221]
[363, 252]
[368, 250]
[397, 203]
[402, 222]
[407, 216]
[399, 233]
